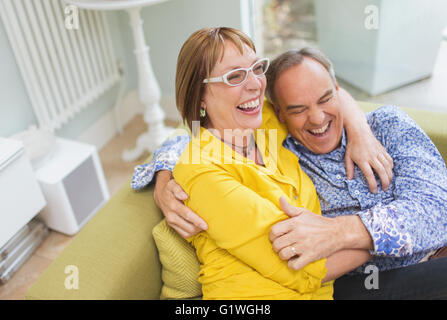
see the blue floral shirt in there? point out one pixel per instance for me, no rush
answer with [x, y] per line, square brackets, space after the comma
[406, 222]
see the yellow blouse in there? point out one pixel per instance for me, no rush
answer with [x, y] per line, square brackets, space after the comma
[240, 202]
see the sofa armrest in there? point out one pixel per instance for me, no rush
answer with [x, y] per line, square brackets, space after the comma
[434, 123]
[114, 253]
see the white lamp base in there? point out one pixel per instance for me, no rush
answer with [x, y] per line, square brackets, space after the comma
[148, 88]
[149, 93]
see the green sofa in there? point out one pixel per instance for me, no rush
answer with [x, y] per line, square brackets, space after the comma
[115, 253]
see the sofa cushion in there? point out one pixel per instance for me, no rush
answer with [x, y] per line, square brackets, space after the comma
[180, 266]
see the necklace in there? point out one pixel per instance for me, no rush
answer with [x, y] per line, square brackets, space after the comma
[245, 149]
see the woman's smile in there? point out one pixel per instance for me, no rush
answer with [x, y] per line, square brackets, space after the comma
[251, 107]
[235, 107]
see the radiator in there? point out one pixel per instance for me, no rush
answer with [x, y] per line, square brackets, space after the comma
[64, 70]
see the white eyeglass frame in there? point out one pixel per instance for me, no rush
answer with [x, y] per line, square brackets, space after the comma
[224, 77]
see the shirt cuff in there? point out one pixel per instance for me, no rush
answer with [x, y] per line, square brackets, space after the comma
[144, 174]
[388, 231]
[165, 158]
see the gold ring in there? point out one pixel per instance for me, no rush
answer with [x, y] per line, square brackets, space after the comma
[293, 250]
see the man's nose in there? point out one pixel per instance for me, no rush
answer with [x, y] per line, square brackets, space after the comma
[316, 116]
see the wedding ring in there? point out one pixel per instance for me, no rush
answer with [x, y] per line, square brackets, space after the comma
[293, 250]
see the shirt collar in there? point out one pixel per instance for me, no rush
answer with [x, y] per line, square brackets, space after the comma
[300, 150]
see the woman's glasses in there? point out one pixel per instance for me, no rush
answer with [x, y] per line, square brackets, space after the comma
[237, 77]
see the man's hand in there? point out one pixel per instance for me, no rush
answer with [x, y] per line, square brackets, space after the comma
[169, 197]
[305, 237]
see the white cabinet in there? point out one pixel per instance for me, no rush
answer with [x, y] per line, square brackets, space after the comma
[20, 196]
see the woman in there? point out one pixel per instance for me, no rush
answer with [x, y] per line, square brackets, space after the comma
[238, 202]
[220, 82]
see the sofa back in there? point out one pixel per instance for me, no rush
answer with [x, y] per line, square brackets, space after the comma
[434, 123]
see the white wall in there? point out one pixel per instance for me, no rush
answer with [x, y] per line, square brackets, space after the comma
[401, 49]
[15, 107]
[16, 112]
[166, 25]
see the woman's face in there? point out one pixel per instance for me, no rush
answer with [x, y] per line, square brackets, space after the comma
[238, 107]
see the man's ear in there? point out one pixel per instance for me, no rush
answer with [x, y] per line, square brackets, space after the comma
[278, 114]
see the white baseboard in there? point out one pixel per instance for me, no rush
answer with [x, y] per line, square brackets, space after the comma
[106, 127]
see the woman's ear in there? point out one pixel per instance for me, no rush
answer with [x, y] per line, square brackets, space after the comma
[202, 109]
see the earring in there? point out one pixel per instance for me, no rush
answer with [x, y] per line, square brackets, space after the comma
[202, 113]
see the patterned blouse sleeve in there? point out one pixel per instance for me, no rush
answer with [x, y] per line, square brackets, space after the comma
[165, 158]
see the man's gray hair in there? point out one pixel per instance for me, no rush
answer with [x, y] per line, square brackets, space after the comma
[288, 60]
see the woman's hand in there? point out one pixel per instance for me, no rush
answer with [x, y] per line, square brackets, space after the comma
[368, 153]
[363, 148]
[169, 197]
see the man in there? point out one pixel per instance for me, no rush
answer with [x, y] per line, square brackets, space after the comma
[400, 225]
[404, 223]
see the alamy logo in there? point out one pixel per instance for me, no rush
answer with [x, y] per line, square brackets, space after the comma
[206, 146]
[72, 280]
[372, 281]
[71, 17]
[372, 18]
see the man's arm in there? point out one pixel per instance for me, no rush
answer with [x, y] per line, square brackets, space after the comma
[168, 195]
[315, 237]
[165, 158]
[343, 262]
[416, 220]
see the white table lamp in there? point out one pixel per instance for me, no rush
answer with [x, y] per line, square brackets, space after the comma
[148, 88]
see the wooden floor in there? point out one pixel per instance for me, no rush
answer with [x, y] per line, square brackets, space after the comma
[116, 173]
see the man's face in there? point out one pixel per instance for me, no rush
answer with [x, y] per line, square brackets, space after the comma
[309, 106]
